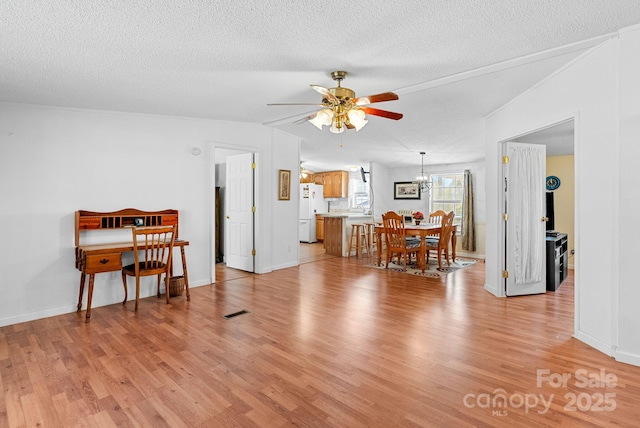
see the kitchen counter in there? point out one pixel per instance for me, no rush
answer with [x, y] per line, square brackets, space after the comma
[338, 231]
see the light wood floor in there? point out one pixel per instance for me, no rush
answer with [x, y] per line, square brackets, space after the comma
[313, 252]
[330, 343]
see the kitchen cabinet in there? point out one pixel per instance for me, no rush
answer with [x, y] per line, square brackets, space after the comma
[336, 184]
[319, 227]
[318, 178]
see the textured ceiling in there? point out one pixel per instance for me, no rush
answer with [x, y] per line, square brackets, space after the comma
[451, 62]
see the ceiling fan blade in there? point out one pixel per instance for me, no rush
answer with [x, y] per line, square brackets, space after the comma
[377, 98]
[382, 113]
[294, 104]
[305, 119]
[325, 93]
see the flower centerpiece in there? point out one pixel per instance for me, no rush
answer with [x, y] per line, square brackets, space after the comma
[418, 216]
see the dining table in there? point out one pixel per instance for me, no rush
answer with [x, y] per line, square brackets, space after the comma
[422, 231]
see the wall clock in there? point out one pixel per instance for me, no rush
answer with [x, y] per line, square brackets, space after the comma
[553, 182]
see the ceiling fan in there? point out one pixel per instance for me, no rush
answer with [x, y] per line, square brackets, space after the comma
[342, 109]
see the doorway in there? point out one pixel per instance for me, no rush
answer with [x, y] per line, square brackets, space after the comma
[559, 140]
[234, 182]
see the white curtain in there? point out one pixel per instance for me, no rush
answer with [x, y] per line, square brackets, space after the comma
[524, 211]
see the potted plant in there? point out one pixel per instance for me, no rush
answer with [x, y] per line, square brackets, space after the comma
[418, 217]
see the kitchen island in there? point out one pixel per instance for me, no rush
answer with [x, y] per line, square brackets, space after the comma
[337, 231]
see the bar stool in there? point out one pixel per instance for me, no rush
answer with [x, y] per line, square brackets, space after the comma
[358, 231]
[370, 230]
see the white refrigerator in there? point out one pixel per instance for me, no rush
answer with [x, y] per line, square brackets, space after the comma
[311, 203]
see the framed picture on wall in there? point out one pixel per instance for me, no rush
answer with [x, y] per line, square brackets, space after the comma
[406, 190]
[284, 185]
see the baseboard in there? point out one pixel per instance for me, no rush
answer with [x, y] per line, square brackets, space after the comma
[626, 357]
[493, 290]
[612, 351]
[471, 255]
[52, 312]
[68, 309]
[285, 265]
[595, 343]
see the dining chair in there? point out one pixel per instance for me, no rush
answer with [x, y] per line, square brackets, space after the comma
[440, 243]
[436, 216]
[397, 240]
[156, 245]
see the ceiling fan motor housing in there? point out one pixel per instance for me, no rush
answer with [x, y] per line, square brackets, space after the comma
[342, 93]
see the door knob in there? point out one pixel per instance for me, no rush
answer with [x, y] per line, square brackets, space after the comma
[545, 218]
[228, 217]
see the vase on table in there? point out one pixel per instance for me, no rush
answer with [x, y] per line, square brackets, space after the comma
[417, 222]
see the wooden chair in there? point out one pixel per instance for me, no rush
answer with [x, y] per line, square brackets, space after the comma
[396, 239]
[441, 242]
[436, 216]
[156, 245]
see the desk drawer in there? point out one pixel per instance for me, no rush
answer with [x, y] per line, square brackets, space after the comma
[103, 263]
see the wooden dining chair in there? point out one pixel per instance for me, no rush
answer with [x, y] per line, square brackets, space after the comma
[397, 240]
[156, 245]
[436, 216]
[440, 243]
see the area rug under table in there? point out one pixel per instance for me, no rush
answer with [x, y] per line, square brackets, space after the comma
[432, 270]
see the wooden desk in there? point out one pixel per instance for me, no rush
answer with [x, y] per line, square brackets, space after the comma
[98, 258]
[424, 230]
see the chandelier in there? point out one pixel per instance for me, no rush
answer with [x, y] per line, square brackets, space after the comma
[422, 179]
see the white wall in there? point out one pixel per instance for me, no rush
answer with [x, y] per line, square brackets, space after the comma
[54, 161]
[286, 214]
[588, 90]
[628, 345]
[382, 191]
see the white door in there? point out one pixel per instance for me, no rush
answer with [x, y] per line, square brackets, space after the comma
[239, 212]
[525, 229]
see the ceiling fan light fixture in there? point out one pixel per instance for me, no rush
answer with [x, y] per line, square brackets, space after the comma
[323, 117]
[316, 122]
[357, 118]
[337, 127]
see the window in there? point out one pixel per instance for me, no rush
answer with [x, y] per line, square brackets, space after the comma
[359, 194]
[447, 194]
